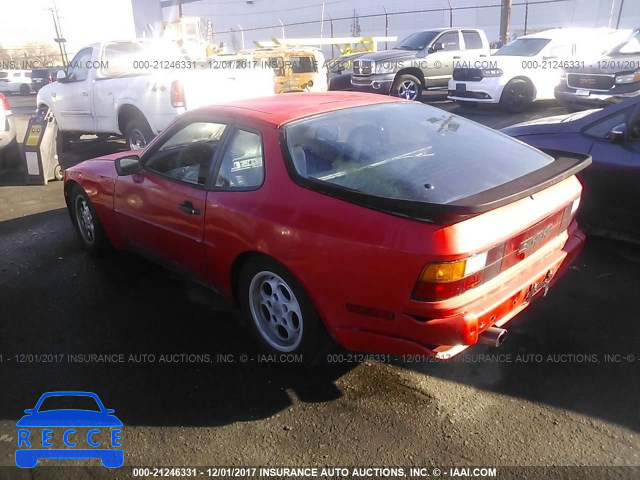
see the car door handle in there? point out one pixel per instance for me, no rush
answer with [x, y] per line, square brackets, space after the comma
[187, 207]
[457, 58]
[53, 94]
[85, 93]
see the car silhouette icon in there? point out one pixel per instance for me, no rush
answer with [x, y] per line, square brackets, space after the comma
[95, 418]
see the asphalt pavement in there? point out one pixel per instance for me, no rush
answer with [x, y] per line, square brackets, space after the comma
[192, 390]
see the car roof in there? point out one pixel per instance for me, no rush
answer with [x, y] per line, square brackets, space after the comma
[570, 33]
[279, 109]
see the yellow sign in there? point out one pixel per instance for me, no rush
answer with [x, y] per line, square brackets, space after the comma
[34, 136]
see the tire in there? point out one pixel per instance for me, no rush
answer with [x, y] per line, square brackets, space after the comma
[517, 96]
[279, 313]
[25, 89]
[10, 156]
[87, 224]
[138, 133]
[58, 173]
[408, 87]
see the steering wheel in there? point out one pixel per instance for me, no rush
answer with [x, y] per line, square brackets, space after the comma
[197, 153]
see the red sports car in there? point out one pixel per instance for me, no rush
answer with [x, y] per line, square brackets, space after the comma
[387, 225]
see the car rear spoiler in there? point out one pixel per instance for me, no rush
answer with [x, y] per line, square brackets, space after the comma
[565, 165]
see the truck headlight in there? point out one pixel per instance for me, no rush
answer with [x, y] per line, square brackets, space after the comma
[385, 67]
[628, 78]
[492, 72]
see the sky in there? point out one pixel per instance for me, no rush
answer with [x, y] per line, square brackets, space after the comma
[83, 21]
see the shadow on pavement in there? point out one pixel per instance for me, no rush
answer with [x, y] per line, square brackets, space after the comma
[577, 349]
[58, 300]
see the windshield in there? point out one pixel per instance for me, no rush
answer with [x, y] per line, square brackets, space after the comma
[417, 41]
[523, 47]
[69, 402]
[407, 151]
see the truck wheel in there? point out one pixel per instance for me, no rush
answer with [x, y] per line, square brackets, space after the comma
[58, 173]
[279, 313]
[87, 224]
[25, 89]
[138, 134]
[516, 96]
[407, 86]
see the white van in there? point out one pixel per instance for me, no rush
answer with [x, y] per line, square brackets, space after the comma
[16, 81]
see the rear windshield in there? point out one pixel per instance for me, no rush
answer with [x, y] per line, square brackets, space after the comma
[407, 151]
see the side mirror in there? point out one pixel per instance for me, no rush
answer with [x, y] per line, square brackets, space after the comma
[128, 165]
[61, 76]
[617, 134]
[436, 47]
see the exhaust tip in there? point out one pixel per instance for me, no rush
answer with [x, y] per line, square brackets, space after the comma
[493, 336]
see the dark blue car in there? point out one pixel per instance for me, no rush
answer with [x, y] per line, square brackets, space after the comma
[611, 198]
[37, 439]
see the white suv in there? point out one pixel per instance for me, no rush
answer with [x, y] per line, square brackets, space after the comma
[16, 81]
[525, 70]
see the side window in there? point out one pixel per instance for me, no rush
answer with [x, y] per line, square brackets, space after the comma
[77, 70]
[472, 40]
[188, 154]
[242, 165]
[601, 128]
[450, 41]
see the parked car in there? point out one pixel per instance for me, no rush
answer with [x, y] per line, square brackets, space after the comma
[611, 202]
[43, 76]
[387, 225]
[525, 70]
[142, 88]
[340, 71]
[15, 81]
[420, 61]
[609, 78]
[9, 153]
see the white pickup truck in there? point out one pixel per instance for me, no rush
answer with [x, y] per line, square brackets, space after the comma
[136, 89]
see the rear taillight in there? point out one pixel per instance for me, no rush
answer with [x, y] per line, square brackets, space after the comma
[439, 281]
[177, 94]
[5, 102]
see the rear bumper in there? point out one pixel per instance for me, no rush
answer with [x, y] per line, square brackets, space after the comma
[425, 330]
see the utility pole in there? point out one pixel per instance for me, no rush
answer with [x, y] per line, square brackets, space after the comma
[505, 19]
[620, 13]
[60, 40]
[386, 27]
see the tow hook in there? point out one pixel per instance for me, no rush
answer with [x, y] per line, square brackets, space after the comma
[536, 287]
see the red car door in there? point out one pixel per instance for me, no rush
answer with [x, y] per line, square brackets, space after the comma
[161, 209]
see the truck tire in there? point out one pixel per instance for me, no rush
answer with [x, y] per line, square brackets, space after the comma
[25, 89]
[138, 133]
[408, 87]
[517, 96]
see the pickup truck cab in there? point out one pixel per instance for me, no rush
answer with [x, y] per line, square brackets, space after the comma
[136, 89]
[525, 70]
[422, 60]
[605, 79]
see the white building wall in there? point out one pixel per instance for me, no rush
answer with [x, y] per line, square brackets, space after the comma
[248, 16]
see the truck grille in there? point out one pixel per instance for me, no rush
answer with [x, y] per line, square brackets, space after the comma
[467, 74]
[362, 67]
[590, 82]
